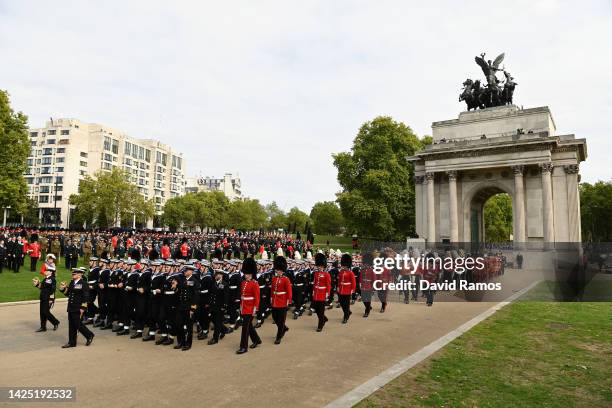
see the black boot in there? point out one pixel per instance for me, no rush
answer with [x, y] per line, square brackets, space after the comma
[203, 335]
[136, 335]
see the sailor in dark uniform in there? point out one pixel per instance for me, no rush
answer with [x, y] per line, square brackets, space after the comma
[47, 298]
[204, 314]
[299, 285]
[233, 304]
[129, 295]
[103, 280]
[170, 305]
[218, 303]
[92, 280]
[143, 288]
[187, 288]
[77, 294]
[155, 299]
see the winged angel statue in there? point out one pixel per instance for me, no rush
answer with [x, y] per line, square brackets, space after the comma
[493, 94]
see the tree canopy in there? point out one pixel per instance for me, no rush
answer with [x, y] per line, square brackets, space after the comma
[377, 197]
[108, 197]
[327, 218]
[14, 151]
[596, 211]
[498, 218]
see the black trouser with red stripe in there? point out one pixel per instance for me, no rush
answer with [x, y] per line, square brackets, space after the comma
[248, 330]
[279, 314]
[345, 303]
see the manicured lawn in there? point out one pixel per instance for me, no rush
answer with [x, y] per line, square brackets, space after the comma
[335, 242]
[529, 354]
[18, 286]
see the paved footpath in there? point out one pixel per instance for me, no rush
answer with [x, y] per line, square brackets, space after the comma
[308, 369]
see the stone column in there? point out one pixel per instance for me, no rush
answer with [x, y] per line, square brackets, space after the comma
[452, 202]
[519, 197]
[420, 206]
[431, 208]
[573, 202]
[547, 202]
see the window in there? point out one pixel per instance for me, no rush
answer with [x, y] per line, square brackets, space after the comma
[59, 159]
[107, 143]
[59, 180]
[59, 188]
[107, 166]
[65, 132]
[50, 141]
[58, 198]
[127, 149]
[47, 151]
[45, 189]
[30, 162]
[83, 154]
[161, 158]
[33, 134]
[30, 180]
[45, 180]
[108, 157]
[82, 173]
[43, 199]
[83, 163]
[51, 132]
[59, 169]
[46, 160]
[46, 170]
[148, 156]
[64, 141]
[33, 143]
[61, 150]
[115, 146]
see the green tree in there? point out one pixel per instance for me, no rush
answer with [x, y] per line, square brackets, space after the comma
[276, 217]
[596, 211]
[327, 218]
[14, 151]
[377, 197]
[108, 197]
[297, 219]
[498, 218]
[173, 213]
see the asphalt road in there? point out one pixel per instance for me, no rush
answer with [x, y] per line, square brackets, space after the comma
[308, 369]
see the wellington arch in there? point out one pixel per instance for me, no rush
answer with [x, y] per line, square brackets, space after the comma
[503, 149]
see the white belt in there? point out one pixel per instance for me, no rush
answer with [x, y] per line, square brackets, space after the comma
[93, 281]
[279, 293]
[233, 287]
[129, 287]
[299, 284]
[169, 292]
[248, 298]
[262, 286]
[153, 291]
[204, 291]
[345, 283]
[321, 287]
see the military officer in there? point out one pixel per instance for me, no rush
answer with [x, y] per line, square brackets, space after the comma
[346, 286]
[280, 297]
[76, 292]
[103, 280]
[155, 299]
[204, 314]
[321, 288]
[249, 303]
[47, 298]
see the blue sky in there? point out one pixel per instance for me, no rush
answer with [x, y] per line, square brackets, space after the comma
[270, 89]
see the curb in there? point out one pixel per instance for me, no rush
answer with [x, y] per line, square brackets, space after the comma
[28, 302]
[369, 387]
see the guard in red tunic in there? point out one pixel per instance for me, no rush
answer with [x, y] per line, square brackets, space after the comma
[321, 287]
[249, 304]
[185, 249]
[346, 285]
[281, 295]
[367, 278]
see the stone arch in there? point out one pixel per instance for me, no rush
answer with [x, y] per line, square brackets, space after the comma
[473, 204]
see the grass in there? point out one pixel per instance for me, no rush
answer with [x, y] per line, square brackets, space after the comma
[335, 242]
[529, 354]
[18, 286]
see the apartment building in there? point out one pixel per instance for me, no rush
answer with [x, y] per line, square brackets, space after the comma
[229, 185]
[66, 150]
